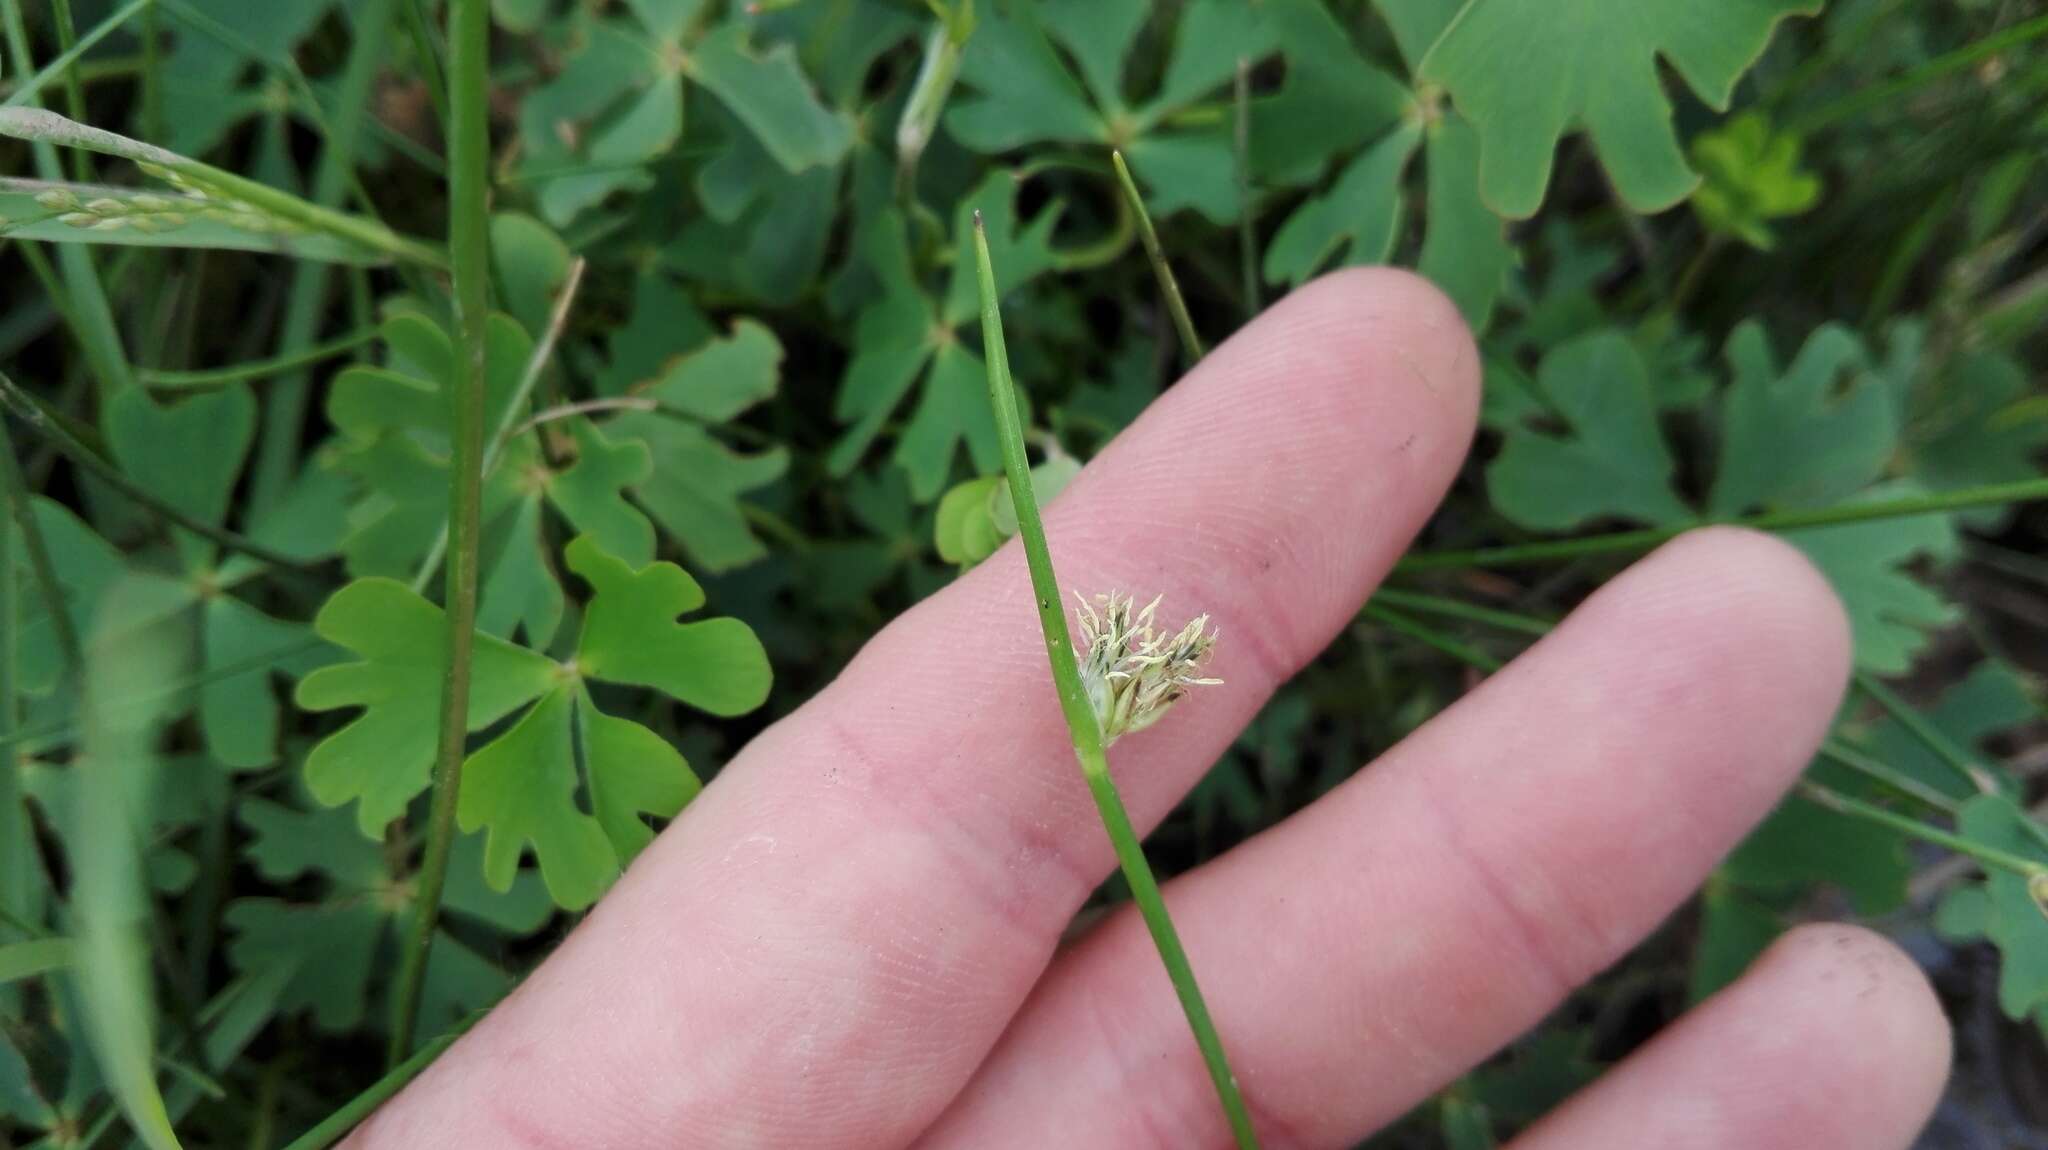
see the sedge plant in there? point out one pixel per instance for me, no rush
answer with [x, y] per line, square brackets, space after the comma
[1110, 699]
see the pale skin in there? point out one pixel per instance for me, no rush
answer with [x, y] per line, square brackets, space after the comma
[854, 938]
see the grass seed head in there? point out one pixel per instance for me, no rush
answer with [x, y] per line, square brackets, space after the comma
[1132, 672]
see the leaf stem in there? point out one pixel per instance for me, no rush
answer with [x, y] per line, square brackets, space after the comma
[1842, 754]
[17, 402]
[1958, 760]
[256, 368]
[1989, 495]
[284, 414]
[1241, 138]
[1190, 343]
[336, 1126]
[1990, 857]
[469, 251]
[1082, 724]
[1403, 624]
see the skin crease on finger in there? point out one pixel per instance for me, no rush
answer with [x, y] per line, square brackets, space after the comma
[1832, 1041]
[825, 945]
[1438, 904]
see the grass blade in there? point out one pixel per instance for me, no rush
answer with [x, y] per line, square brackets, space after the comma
[242, 201]
[30, 87]
[257, 369]
[1190, 343]
[19, 960]
[1082, 724]
[111, 902]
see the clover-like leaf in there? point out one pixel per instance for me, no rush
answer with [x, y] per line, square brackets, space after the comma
[630, 635]
[2010, 915]
[1750, 175]
[904, 336]
[695, 493]
[1464, 249]
[381, 759]
[1022, 92]
[1890, 612]
[1800, 437]
[1525, 72]
[1611, 461]
[520, 790]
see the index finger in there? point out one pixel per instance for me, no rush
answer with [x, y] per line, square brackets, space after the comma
[822, 949]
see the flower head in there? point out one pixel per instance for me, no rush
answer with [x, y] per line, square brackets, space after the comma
[1131, 673]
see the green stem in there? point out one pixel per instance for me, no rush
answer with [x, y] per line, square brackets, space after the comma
[1989, 495]
[17, 402]
[1842, 754]
[284, 415]
[15, 487]
[1864, 99]
[1190, 343]
[1456, 609]
[1401, 624]
[256, 369]
[1082, 723]
[1958, 760]
[336, 1126]
[469, 149]
[91, 317]
[1990, 857]
[26, 91]
[430, 61]
[1241, 138]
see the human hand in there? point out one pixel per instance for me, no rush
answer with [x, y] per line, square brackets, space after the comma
[852, 938]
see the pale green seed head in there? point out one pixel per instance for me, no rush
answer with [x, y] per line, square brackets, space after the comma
[1132, 673]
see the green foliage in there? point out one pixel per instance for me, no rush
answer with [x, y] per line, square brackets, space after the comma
[522, 785]
[1750, 175]
[758, 428]
[1527, 71]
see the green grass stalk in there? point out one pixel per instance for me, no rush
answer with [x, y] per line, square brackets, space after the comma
[1241, 139]
[284, 412]
[1550, 551]
[1190, 343]
[14, 487]
[1924, 732]
[1082, 724]
[91, 316]
[28, 89]
[257, 369]
[469, 149]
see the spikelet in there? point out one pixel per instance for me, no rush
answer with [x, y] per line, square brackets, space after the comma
[1132, 673]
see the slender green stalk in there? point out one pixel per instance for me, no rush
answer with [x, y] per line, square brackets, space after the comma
[284, 413]
[1241, 138]
[91, 316]
[1456, 609]
[469, 148]
[1190, 343]
[1877, 96]
[1402, 624]
[27, 90]
[336, 1126]
[256, 369]
[15, 401]
[74, 92]
[1082, 723]
[509, 425]
[1954, 757]
[1989, 495]
[943, 47]
[1842, 754]
[1990, 857]
[430, 60]
[14, 486]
